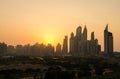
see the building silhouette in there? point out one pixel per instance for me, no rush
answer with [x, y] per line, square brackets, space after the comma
[58, 50]
[81, 46]
[72, 44]
[3, 48]
[65, 46]
[10, 49]
[108, 41]
[84, 34]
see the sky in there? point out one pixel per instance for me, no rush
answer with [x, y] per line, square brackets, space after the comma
[48, 21]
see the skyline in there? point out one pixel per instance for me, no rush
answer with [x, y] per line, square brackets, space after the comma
[31, 21]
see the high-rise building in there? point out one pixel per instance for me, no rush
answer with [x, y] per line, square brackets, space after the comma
[50, 50]
[58, 50]
[65, 45]
[108, 41]
[85, 34]
[3, 48]
[77, 39]
[92, 36]
[79, 33]
[72, 44]
[82, 45]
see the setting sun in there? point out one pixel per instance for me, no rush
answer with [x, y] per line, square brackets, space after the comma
[49, 42]
[47, 21]
[49, 39]
[59, 39]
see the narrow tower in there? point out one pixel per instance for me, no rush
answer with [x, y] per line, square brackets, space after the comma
[92, 36]
[108, 41]
[72, 44]
[85, 33]
[65, 45]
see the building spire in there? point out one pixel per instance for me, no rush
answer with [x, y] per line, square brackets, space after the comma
[106, 27]
[85, 33]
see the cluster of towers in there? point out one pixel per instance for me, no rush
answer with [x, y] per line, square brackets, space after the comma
[80, 46]
[62, 50]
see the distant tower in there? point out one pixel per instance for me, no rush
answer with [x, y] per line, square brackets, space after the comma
[85, 33]
[77, 39]
[92, 36]
[58, 49]
[65, 45]
[108, 41]
[72, 43]
[79, 32]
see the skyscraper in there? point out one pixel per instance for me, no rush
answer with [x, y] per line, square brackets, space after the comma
[92, 36]
[108, 41]
[65, 45]
[58, 50]
[79, 33]
[85, 34]
[72, 44]
[77, 39]
[82, 47]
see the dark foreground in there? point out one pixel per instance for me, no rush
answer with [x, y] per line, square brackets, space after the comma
[22, 67]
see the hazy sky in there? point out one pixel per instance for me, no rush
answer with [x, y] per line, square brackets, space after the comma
[31, 21]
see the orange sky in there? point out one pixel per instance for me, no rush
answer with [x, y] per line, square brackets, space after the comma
[31, 21]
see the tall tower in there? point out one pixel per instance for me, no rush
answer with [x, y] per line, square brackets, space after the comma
[72, 44]
[65, 45]
[85, 33]
[79, 32]
[92, 36]
[58, 48]
[108, 41]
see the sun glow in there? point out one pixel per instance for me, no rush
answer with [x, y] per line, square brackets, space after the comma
[49, 39]
[49, 42]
